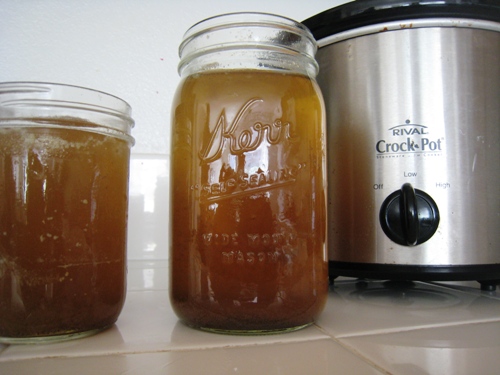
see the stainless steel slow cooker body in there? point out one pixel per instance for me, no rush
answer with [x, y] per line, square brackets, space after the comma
[412, 92]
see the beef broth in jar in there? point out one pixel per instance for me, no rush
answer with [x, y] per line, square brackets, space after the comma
[63, 216]
[248, 184]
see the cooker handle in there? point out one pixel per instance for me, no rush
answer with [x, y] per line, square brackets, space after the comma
[409, 214]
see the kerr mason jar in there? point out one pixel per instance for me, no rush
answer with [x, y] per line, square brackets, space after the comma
[64, 167]
[248, 196]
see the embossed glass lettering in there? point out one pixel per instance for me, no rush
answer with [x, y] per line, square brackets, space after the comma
[246, 140]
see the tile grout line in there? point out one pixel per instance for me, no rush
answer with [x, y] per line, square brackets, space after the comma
[388, 331]
[164, 350]
[355, 352]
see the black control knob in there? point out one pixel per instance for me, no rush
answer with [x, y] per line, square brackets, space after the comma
[409, 216]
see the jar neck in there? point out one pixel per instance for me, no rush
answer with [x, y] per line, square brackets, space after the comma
[257, 41]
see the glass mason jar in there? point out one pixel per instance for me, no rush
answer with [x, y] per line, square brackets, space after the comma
[248, 201]
[64, 167]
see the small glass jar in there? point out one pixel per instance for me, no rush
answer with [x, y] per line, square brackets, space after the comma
[64, 167]
[248, 198]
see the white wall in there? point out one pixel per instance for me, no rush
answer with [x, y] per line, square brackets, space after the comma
[125, 47]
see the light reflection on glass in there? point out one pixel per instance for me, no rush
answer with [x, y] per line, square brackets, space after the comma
[148, 207]
[148, 275]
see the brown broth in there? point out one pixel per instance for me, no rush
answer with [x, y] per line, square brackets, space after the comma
[248, 202]
[63, 210]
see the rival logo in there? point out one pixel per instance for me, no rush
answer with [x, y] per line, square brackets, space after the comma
[408, 129]
[416, 140]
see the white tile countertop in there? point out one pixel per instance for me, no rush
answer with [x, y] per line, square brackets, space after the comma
[368, 327]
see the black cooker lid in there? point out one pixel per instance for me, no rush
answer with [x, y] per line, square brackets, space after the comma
[369, 12]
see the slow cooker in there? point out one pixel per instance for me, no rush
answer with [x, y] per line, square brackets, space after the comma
[412, 93]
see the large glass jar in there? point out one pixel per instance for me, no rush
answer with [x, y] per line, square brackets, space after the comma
[248, 177]
[64, 167]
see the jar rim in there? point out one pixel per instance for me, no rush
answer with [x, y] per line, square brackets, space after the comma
[32, 101]
[206, 36]
[234, 18]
